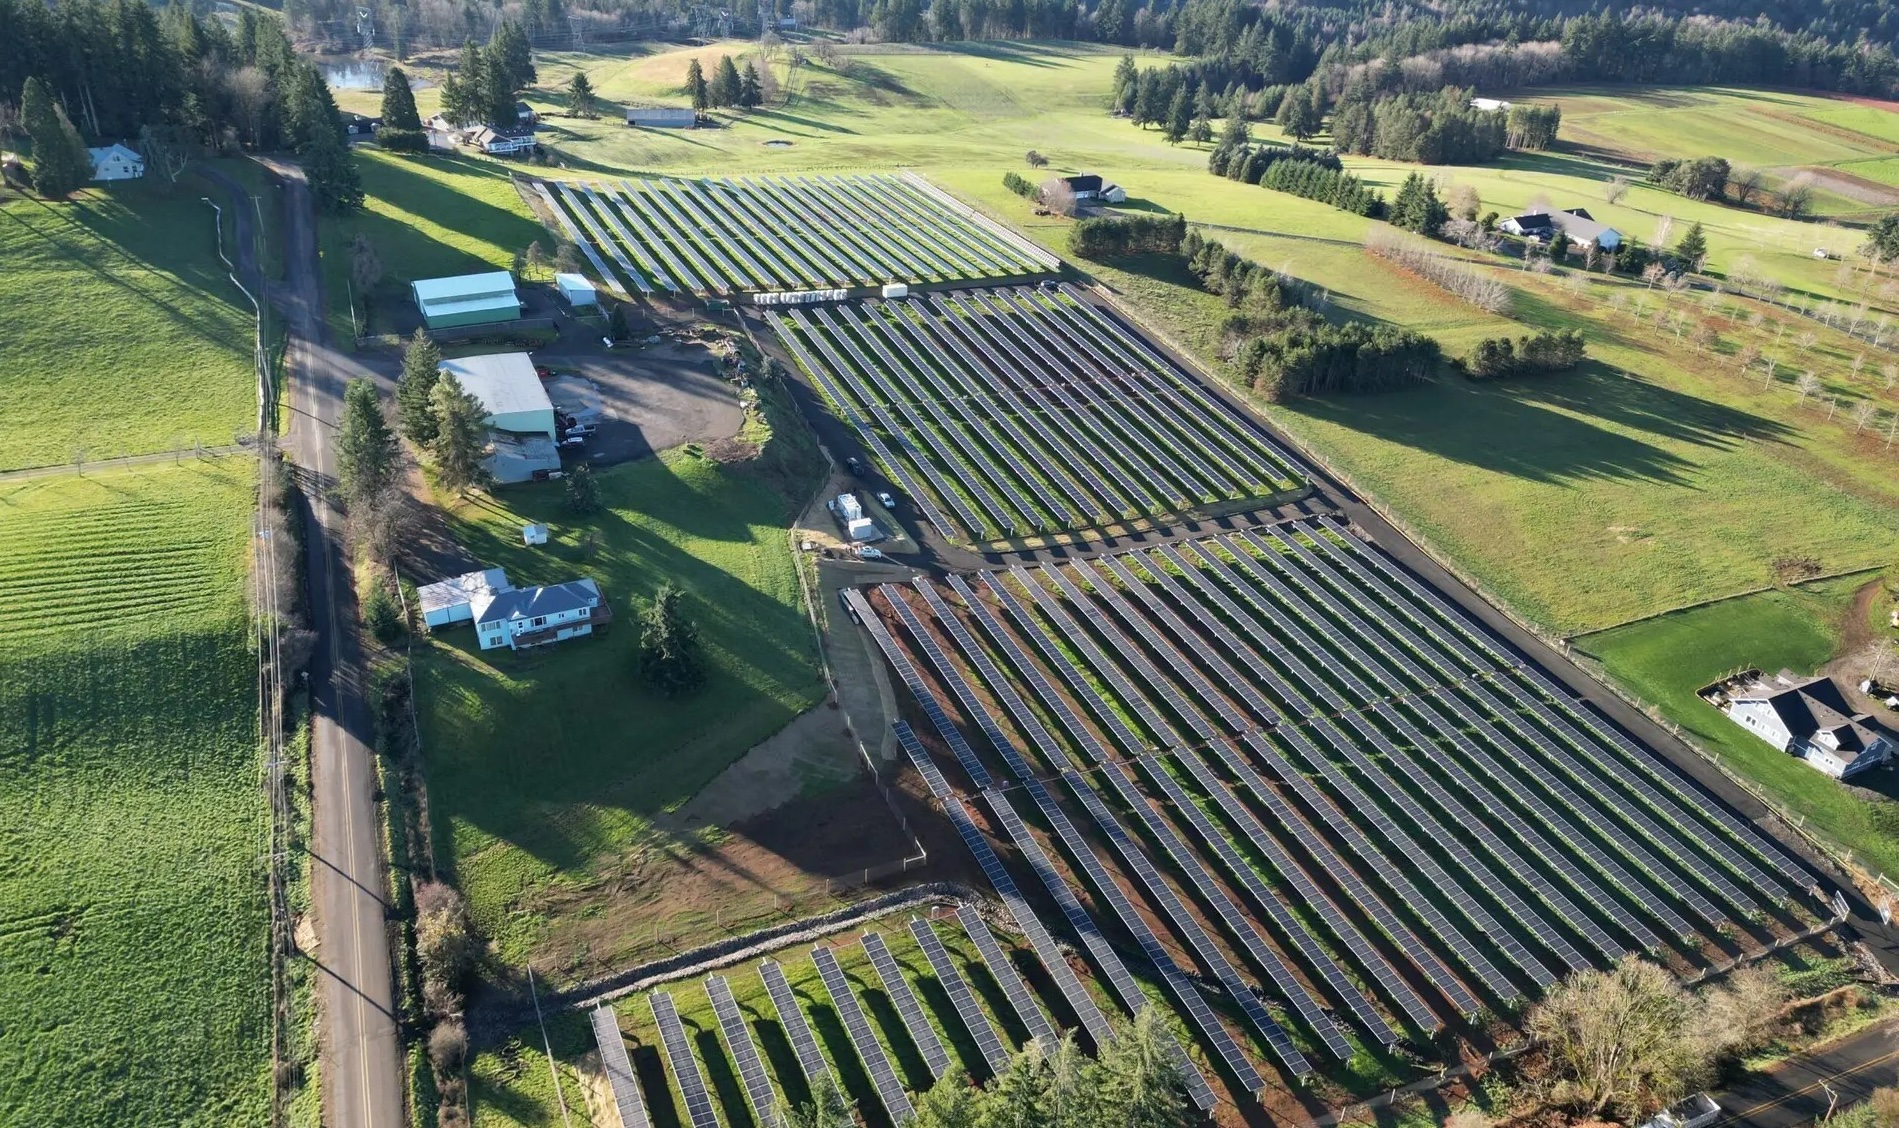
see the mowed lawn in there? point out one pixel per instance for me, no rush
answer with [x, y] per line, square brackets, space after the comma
[543, 769]
[110, 304]
[1664, 660]
[133, 974]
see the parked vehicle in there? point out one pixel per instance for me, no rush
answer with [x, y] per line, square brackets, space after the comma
[865, 552]
[544, 372]
[581, 431]
[1697, 1111]
[856, 466]
[886, 500]
[573, 444]
[1051, 285]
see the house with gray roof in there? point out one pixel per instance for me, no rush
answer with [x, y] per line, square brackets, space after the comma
[1576, 223]
[1810, 718]
[518, 618]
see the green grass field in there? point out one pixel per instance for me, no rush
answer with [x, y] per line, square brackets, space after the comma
[546, 769]
[1664, 660]
[132, 915]
[108, 305]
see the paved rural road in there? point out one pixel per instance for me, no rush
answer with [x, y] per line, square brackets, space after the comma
[1804, 1090]
[360, 1068]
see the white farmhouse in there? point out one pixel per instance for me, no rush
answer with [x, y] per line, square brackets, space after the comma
[1809, 718]
[524, 617]
[116, 162]
[451, 601]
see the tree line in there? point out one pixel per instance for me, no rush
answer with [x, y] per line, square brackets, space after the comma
[486, 81]
[173, 81]
[1314, 174]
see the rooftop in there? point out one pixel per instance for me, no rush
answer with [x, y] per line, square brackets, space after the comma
[464, 588]
[464, 287]
[505, 383]
[528, 603]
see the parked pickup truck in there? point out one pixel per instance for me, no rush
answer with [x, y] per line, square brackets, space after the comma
[1697, 1111]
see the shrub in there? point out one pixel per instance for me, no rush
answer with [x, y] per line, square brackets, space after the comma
[1497, 358]
[1020, 185]
[1127, 235]
[380, 613]
[402, 140]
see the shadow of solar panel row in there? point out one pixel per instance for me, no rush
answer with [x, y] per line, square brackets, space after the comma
[963, 444]
[959, 688]
[607, 277]
[1188, 996]
[1366, 646]
[981, 1030]
[738, 1042]
[1296, 621]
[857, 370]
[817, 1071]
[685, 1067]
[1676, 805]
[870, 439]
[621, 1080]
[915, 1022]
[883, 1077]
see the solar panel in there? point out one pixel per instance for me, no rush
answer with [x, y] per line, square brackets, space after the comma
[619, 1069]
[981, 1031]
[1001, 686]
[1099, 663]
[1105, 957]
[959, 686]
[1006, 977]
[1206, 591]
[922, 1034]
[1190, 930]
[870, 1051]
[1245, 649]
[685, 1067]
[1258, 587]
[738, 1041]
[1317, 848]
[965, 755]
[811, 1061]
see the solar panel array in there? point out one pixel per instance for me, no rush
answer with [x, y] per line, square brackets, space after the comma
[738, 1041]
[981, 1030]
[619, 1068]
[775, 233]
[883, 1076]
[685, 1067]
[1355, 747]
[817, 1071]
[1031, 412]
[1021, 999]
[915, 1022]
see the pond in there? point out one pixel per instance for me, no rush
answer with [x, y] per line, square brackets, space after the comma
[356, 74]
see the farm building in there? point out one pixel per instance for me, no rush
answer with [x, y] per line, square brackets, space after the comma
[467, 299]
[116, 162]
[1810, 718]
[1091, 187]
[534, 534]
[536, 616]
[1575, 223]
[1489, 105]
[502, 142]
[450, 601]
[360, 125]
[525, 114]
[662, 117]
[577, 290]
[519, 414]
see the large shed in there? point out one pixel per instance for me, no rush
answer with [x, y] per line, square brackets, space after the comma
[509, 390]
[578, 291]
[655, 117]
[467, 299]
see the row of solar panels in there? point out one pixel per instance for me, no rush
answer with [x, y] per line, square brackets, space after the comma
[1037, 408]
[766, 1105]
[1384, 789]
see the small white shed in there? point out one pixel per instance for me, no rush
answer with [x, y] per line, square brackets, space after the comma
[532, 535]
[116, 162]
[577, 290]
[452, 600]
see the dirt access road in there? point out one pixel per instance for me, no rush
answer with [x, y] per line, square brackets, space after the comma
[361, 1060]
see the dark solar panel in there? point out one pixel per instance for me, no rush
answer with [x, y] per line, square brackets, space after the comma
[870, 1051]
[685, 1067]
[619, 1069]
[738, 1040]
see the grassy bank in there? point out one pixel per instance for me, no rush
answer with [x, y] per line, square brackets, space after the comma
[132, 915]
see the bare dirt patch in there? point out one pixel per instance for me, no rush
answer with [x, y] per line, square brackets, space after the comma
[1859, 189]
[812, 753]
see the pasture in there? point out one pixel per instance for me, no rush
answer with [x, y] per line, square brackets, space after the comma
[132, 938]
[1665, 659]
[108, 305]
[553, 772]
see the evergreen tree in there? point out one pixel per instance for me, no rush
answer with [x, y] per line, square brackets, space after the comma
[696, 86]
[1202, 131]
[583, 493]
[749, 93]
[1417, 208]
[367, 456]
[465, 90]
[1179, 117]
[725, 87]
[60, 162]
[508, 48]
[421, 367]
[1139, 1079]
[1299, 113]
[1235, 133]
[398, 102]
[461, 434]
[1127, 84]
[499, 88]
[580, 96]
[1693, 248]
[671, 660]
[330, 168]
[1150, 105]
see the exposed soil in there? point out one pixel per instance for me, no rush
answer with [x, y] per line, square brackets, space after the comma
[1859, 189]
[811, 753]
[1854, 657]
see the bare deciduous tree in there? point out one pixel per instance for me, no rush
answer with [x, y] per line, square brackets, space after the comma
[1615, 188]
[1455, 276]
[1808, 384]
[1058, 197]
[1620, 1037]
[1745, 180]
[1864, 415]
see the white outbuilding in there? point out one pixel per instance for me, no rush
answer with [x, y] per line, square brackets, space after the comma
[449, 601]
[577, 290]
[520, 417]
